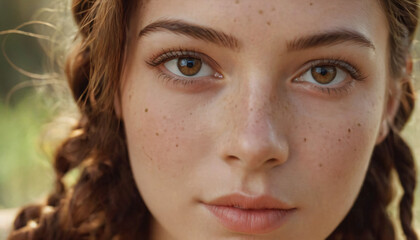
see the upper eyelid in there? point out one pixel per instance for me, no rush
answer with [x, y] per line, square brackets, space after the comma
[175, 54]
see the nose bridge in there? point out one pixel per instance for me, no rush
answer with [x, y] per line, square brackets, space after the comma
[255, 117]
[255, 139]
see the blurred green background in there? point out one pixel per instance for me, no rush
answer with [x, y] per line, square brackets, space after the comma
[26, 174]
[25, 171]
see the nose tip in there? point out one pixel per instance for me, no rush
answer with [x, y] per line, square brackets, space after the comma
[257, 146]
[255, 136]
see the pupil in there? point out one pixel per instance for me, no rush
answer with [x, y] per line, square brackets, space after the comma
[188, 62]
[321, 70]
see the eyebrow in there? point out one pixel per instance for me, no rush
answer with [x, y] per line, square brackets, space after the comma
[330, 38]
[192, 30]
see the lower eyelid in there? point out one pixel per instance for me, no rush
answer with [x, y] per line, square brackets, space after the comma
[169, 78]
[340, 91]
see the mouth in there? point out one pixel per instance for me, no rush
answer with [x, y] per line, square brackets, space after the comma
[251, 215]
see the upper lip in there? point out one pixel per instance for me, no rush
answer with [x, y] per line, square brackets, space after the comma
[250, 202]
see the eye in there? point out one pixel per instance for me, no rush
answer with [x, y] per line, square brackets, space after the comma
[323, 75]
[330, 76]
[186, 68]
[189, 67]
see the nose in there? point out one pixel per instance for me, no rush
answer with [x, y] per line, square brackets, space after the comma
[254, 138]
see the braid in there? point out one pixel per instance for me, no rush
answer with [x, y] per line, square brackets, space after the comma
[404, 164]
[103, 204]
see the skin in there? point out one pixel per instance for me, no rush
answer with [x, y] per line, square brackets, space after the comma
[255, 131]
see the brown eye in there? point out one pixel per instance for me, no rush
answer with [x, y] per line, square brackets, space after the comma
[189, 66]
[324, 74]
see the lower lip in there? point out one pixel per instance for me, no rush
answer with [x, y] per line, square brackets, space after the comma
[257, 221]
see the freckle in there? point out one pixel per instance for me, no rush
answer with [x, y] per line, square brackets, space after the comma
[260, 11]
[268, 23]
[146, 110]
[237, 1]
[358, 124]
[176, 145]
[310, 4]
[304, 139]
[164, 117]
[273, 9]
[165, 130]
[182, 128]
[190, 113]
[349, 130]
[320, 165]
[339, 139]
[129, 97]
[157, 134]
[176, 138]
[251, 109]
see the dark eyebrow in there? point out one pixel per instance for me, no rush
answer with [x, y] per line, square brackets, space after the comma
[192, 30]
[330, 38]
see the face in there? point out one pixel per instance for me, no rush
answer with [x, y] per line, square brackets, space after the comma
[253, 119]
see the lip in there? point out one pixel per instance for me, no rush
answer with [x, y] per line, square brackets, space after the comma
[251, 215]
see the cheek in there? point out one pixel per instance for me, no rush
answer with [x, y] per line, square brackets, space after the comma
[340, 134]
[162, 136]
[154, 134]
[333, 144]
[339, 154]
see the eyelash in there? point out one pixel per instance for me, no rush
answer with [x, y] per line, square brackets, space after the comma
[169, 54]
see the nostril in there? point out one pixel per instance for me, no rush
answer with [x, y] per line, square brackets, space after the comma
[273, 162]
[232, 157]
[268, 161]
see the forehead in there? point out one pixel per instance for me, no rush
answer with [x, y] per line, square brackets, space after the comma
[262, 20]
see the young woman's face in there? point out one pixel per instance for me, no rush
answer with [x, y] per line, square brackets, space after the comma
[253, 119]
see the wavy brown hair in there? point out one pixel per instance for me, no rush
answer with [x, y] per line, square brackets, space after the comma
[105, 203]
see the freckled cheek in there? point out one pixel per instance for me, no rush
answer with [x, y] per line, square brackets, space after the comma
[349, 153]
[354, 146]
[340, 158]
[159, 142]
[337, 140]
